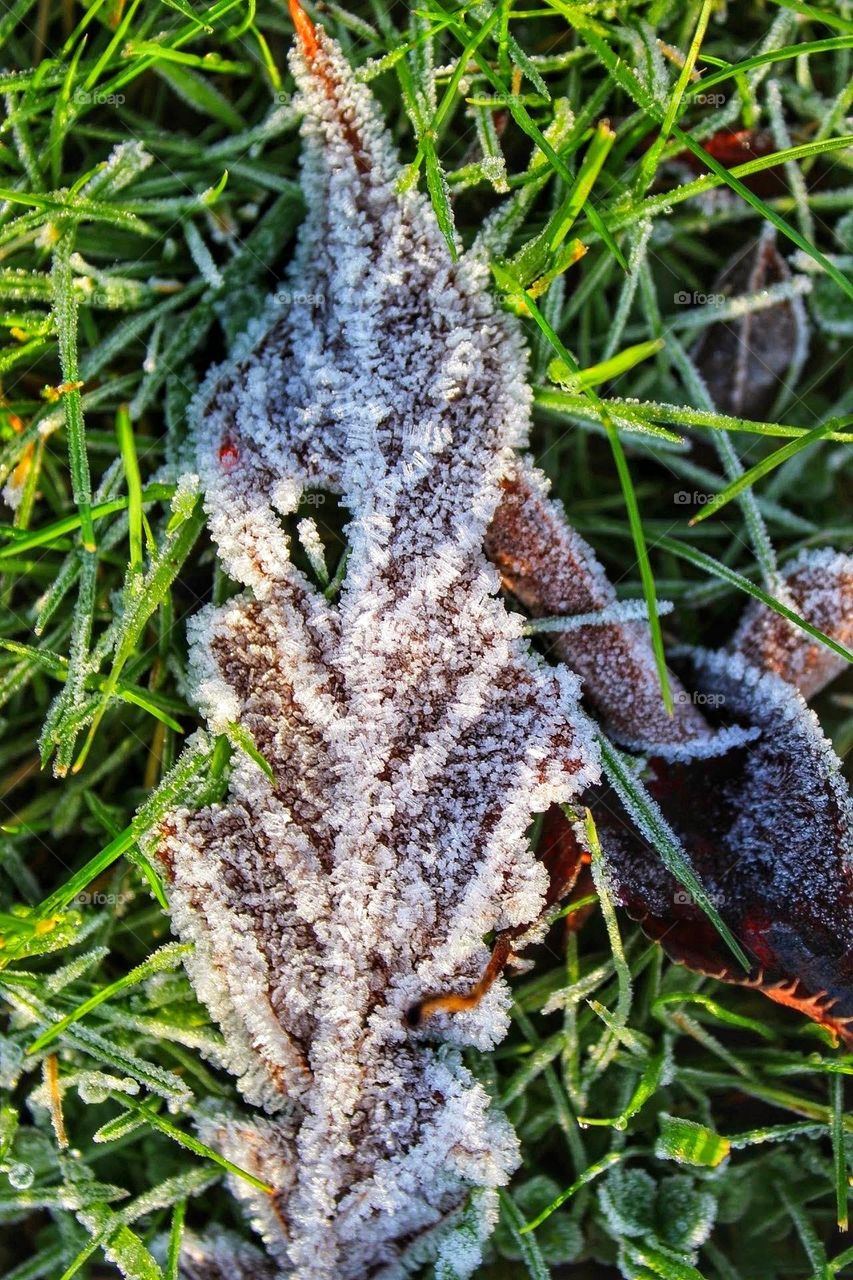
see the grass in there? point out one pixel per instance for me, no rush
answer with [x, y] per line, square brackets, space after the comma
[670, 1126]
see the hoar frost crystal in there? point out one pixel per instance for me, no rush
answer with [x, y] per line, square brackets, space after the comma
[410, 731]
[339, 910]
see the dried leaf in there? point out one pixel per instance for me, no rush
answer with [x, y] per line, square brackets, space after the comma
[768, 824]
[744, 362]
[410, 732]
[551, 570]
[819, 587]
[769, 829]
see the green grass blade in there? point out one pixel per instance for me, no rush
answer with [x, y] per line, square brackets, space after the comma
[160, 961]
[718, 570]
[645, 812]
[762, 468]
[803, 50]
[651, 159]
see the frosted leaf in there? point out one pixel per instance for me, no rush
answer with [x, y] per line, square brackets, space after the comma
[551, 570]
[221, 1255]
[818, 585]
[686, 1214]
[626, 1198]
[741, 772]
[769, 829]
[410, 731]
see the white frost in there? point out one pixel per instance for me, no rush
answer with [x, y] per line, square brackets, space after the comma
[410, 730]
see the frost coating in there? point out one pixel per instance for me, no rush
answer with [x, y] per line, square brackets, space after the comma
[222, 1256]
[770, 833]
[756, 798]
[410, 731]
[818, 586]
[551, 569]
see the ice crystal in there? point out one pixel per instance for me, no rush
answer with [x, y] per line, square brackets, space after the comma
[409, 730]
[220, 1255]
[768, 823]
[769, 828]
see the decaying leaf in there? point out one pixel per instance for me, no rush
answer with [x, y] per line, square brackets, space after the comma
[819, 586]
[769, 829]
[767, 822]
[551, 570]
[744, 361]
[394, 733]
[410, 732]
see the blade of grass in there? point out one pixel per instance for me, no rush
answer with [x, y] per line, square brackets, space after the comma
[531, 1254]
[839, 1155]
[828, 17]
[808, 47]
[748, 478]
[648, 817]
[160, 961]
[624, 77]
[651, 159]
[65, 313]
[508, 281]
[589, 1175]
[192, 1144]
[52, 532]
[127, 445]
[718, 570]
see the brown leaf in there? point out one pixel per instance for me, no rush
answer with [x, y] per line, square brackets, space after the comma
[767, 822]
[551, 570]
[744, 361]
[818, 586]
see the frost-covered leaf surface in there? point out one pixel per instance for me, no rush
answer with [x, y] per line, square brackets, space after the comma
[766, 819]
[410, 733]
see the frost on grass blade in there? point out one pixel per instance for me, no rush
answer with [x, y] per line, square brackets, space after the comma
[410, 732]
